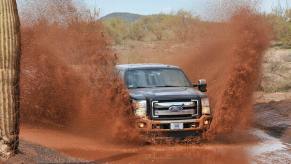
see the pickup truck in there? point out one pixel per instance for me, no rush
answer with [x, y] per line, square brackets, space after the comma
[165, 101]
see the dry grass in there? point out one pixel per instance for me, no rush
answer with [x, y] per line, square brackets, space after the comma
[276, 71]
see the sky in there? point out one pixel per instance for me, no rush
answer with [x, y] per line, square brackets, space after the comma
[148, 7]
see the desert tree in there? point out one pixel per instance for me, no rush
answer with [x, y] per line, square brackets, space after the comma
[9, 77]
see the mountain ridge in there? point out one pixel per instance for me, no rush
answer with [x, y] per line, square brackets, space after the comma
[130, 17]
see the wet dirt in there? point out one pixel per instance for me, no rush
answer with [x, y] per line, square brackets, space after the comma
[98, 151]
[263, 149]
[274, 118]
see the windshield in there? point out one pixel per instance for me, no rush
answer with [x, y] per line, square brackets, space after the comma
[162, 77]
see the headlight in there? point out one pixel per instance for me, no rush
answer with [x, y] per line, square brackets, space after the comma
[140, 108]
[205, 106]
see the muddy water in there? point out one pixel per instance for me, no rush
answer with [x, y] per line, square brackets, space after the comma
[263, 149]
[99, 151]
[229, 56]
[68, 77]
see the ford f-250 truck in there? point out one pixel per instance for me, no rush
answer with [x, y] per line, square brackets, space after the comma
[165, 101]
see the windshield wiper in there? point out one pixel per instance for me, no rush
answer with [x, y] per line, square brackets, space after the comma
[137, 87]
[155, 86]
[168, 86]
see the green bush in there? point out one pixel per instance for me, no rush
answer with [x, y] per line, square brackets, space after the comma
[153, 27]
[117, 29]
[281, 23]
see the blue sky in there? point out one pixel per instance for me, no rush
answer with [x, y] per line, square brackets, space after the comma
[146, 7]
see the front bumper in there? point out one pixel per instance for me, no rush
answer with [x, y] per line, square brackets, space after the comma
[199, 124]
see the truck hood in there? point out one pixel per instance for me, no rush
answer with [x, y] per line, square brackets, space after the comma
[165, 93]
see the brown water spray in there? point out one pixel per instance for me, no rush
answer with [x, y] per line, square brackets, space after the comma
[68, 77]
[251, 37]
[229, 56]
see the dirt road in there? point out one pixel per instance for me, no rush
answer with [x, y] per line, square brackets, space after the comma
[269, 144]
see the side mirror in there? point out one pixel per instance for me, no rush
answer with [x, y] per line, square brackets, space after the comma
[202, 85]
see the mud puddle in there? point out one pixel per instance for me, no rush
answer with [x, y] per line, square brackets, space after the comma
[270, 149]
[90, 149]
[265, 149]
[267, 144]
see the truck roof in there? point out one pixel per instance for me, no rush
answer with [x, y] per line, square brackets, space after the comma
[144, 65]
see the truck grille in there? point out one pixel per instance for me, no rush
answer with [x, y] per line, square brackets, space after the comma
[175, 109]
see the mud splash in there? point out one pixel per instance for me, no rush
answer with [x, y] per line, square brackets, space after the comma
[68, 81]
[233, 108]
[230, 53]
[68, 77]
[69, 61]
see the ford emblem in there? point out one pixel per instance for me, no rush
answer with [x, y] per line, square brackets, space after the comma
[175, 108]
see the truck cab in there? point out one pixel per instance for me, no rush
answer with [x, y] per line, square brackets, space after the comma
[165, 101]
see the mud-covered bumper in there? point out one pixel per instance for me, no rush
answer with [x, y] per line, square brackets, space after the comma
[198, 124]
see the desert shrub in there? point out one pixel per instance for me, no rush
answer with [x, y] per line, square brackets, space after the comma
[175, 26]
[137, 31]
[281, 24]
[117, 29]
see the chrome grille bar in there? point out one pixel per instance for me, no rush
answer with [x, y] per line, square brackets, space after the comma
[169, 104]
[162, 109]
[167, 112]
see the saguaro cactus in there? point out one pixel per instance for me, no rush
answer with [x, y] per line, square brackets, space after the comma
[9, 77]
